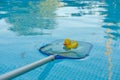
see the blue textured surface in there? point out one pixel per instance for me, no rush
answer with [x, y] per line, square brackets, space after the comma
[26, 25]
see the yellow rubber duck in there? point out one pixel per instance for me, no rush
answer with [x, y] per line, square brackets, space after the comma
[70, 44]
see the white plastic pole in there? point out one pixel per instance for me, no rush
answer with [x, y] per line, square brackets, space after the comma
[12, 74]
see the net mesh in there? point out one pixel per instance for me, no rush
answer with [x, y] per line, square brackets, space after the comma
[58, 48]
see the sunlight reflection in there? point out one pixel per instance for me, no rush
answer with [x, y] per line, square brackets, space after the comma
[108, 54]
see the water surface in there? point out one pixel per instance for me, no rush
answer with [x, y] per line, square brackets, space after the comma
[26, 25]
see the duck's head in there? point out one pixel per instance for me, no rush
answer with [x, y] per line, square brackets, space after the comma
[67, 41]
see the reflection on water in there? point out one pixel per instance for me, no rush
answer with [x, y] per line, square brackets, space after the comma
[111, 24]
[42, 16]
[108, 54]
[112, 21]
[86, 7]
[76, 8]
[31, 18]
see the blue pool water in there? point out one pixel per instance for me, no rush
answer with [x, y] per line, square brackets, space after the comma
[26, 25]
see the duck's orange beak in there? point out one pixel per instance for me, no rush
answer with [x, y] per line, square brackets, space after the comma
[64, 44]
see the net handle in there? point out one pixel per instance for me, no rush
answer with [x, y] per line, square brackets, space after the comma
[17, 72]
